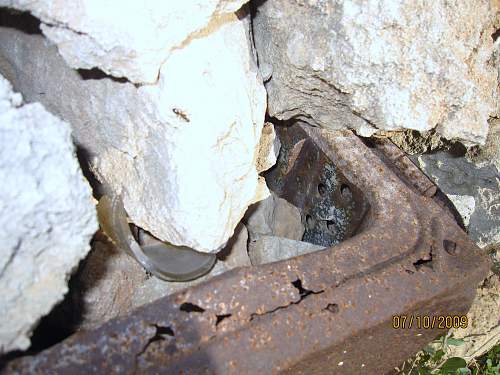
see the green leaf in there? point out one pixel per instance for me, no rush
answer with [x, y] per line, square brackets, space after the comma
[438, 355]
[453, 364]
[455, 342]
[463, 371]
[424, 371]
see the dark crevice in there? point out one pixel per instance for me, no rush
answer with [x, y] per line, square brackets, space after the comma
[495, 35]
[303, 294]
[96, 73]
[191, 307]
[221, 317]
[22, 21]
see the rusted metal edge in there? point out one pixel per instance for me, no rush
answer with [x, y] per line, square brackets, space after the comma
[326, 312]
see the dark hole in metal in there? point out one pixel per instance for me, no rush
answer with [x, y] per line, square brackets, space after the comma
[221, 317]
[160, 330]
[425, 261]
[333, 308]
[191, 307]
[450, 247]
[303, 291]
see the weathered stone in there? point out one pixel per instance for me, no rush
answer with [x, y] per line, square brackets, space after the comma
[274, 216]
[267, 249]
[483, 329]
[182, 152]
[132, 39]
[46, 215]
[111, 283]
[269, 148]
[235, 253]
[380, 64]
[456, 176]
[465, 205]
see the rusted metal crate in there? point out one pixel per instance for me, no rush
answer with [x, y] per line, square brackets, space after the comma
[329, 312]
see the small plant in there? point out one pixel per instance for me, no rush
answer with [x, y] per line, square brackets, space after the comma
[432, 360]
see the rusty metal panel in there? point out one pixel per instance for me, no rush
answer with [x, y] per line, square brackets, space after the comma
[321, 313]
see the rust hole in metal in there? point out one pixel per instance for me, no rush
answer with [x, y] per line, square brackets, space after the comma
[425, 261]
[450, 247]
[221, 317]
[191, 307]
[333, 308]
[161, 332]
[303, 294]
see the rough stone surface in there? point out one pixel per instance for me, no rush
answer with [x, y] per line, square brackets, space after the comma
[274, 216]
[456, 176]
[490, 152]
[182, 152]
[131, 39]
[269, 148]
[465, 205]
[267, 249]
[483, 330]
[381, 64]
[111, 283]
[46, 215]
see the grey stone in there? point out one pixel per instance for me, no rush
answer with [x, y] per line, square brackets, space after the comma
[380, 64]
[456, 176]
[46, 214]
[267, 249]
[274, 216]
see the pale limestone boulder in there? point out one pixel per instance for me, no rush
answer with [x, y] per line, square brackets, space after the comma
[131, 39]
[376, 65]
[46, 214]
[182, 152]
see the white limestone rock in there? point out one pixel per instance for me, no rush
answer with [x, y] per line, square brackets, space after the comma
[182, 152]
[374, 65]
[129, 39]
[46, 215]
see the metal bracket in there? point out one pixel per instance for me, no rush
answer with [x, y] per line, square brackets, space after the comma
[320, 313]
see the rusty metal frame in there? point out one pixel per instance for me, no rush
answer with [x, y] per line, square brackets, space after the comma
[328, 312]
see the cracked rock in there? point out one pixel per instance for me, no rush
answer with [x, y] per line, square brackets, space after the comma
[132, 39]
[46, 214]
[368, 65]
[181, 152]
